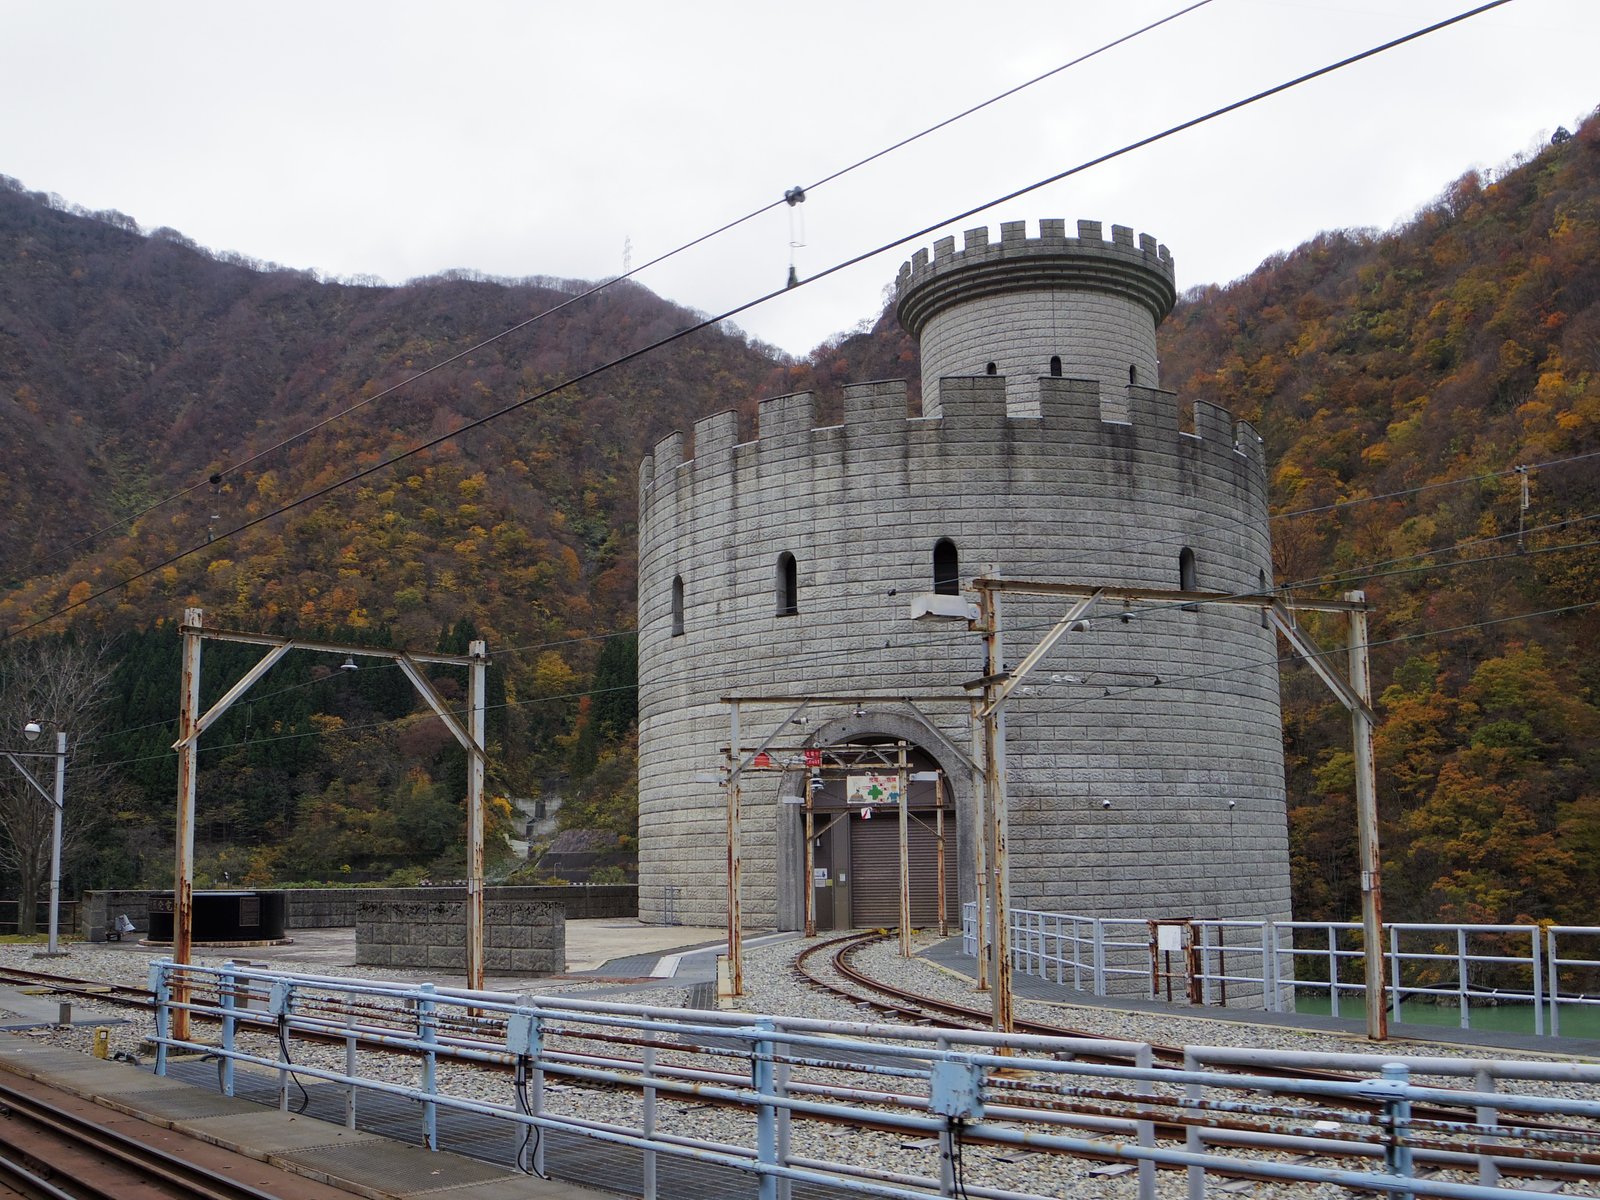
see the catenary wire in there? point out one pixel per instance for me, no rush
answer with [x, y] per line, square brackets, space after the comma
[1108, 693]
[842, 265]
[257, 699]
[726, 227]
[749, 304]
[1363, 571]
[1281, 660]
[1443, 483]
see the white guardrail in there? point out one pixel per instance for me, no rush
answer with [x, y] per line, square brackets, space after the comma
[791, 1085]
[1269, 964]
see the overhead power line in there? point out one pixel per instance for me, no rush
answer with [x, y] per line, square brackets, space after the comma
[628, 273]
[1113, 692]
[1429, 487]
[864, 256]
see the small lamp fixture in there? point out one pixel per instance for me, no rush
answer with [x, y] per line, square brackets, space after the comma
[349, 663]
[860, 712]
[31, 731]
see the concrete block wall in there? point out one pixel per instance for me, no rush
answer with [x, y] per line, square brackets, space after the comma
[425, 928]
[1119, 787]
[335, 908]
[1089, 304]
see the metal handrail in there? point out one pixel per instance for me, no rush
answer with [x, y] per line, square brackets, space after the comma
[1269, 963]
[949, 1085]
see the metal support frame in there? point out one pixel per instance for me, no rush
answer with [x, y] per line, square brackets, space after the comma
[58, 806]
[998, 684]
[192, 723]
[738, 760]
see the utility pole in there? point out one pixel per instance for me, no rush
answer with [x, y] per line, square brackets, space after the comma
[1367, 821]
[477, 684]
[905, 855]
[188, 769]
[735, 860]
[994, 789]
[57, 801]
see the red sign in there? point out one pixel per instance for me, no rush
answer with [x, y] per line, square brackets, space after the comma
[761, 760]
[813, 757]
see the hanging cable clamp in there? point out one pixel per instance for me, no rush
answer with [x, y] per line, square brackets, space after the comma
[795, 195]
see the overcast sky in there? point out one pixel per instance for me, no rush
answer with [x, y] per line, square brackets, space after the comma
[401, 138]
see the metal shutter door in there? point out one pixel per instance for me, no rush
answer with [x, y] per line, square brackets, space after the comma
[875, 869]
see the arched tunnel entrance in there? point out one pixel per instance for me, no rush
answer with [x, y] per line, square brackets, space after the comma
[853, 814]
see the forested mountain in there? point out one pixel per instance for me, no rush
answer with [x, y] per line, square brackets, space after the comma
[1399, 379]
[149, 390]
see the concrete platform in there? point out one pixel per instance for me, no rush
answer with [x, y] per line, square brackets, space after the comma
[620, 946]
[316, 1154]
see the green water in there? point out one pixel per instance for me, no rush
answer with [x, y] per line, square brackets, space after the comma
[1577, 1020]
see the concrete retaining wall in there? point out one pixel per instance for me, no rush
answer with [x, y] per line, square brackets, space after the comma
[424, 927]
[336, 908]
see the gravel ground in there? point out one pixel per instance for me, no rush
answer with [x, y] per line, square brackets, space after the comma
[773, 988]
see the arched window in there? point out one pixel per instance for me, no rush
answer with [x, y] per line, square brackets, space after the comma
[677, 606]
[1055, 366]
[989, 370]
[788, 585]
[1187, 578]
[1133, 374]
[946, 568]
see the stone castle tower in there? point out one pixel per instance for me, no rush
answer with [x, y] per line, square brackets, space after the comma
[1145, 770]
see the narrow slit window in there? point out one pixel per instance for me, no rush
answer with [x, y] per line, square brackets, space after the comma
[1266, 621]
[1187, 578]
[946, 568]
[788, 586]
[1133, 374]
[1055, 366]
[677, 606]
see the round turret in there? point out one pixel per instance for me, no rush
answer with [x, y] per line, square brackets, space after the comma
[1144, 758]
[1081, 307]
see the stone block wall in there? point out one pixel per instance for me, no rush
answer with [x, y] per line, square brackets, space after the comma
[336, 908]
[426, 928]
[1145, 769]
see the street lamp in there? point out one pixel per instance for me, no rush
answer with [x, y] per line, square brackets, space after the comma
[31, 731]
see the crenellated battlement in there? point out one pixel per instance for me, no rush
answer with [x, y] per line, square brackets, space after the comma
[776, 561]
[1137, 428]
[1139, 269]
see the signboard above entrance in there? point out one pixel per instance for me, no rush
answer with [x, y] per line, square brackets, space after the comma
[872, 789]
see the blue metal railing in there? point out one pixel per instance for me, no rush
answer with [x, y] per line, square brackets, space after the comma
[1272, 963]
[942, 1087]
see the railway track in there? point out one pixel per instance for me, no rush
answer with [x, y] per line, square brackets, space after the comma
[1020, 1096]
[902, 1003]
[57, 1147]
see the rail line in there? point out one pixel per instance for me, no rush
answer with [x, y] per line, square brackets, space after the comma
[919, 1008]
[49, 1151]
[371, 1026]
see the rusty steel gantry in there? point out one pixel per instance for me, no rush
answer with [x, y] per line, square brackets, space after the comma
[192, 723]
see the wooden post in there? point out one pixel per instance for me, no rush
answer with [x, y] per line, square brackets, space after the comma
[477, 680]
[980, 854]
[735, 853]
[183, 867]
[811, 859]
[1367, 825]
[938, 833]
[905, 855]
[994, 770]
